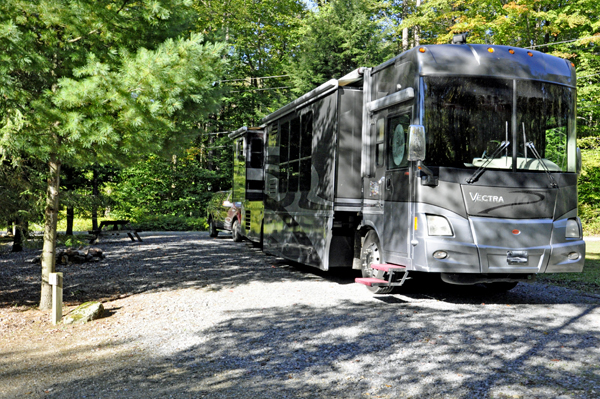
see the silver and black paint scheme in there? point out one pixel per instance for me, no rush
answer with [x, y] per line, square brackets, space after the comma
[460, 159]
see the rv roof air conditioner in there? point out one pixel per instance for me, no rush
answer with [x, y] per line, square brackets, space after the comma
[460, 38]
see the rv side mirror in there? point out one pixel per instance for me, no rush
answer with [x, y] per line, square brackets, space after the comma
[416, 143]
[578, 162]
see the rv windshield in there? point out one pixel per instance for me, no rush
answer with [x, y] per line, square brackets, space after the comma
[466, 119]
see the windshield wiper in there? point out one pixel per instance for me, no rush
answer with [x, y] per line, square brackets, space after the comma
[553, 183]
[503, 145]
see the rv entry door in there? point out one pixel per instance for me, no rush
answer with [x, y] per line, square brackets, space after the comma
[376, 186]
[397, 187]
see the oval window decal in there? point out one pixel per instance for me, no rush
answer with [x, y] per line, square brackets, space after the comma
[398, 145]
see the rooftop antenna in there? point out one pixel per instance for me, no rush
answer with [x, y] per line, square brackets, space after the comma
[461, 38]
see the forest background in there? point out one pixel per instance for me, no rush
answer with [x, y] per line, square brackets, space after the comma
[252, 57]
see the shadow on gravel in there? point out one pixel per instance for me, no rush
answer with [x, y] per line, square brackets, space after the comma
[404, 345]
[160, 262]
[354, 350]
[423, 286]
[173, 261]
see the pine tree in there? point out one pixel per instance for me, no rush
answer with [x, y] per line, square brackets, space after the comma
[104, 80]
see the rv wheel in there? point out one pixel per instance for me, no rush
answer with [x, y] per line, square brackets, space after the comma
[236, 231]
[212, 229]
[502, 286]
[371, 254]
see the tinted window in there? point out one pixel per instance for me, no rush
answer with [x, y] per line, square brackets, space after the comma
[295, 139]
[307, 135]
[284, 142]
[256, 153]
[466, 120]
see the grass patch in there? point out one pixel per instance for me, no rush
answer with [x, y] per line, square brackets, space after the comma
[588, 280]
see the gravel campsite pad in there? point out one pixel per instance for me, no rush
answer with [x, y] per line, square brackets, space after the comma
[192, 317]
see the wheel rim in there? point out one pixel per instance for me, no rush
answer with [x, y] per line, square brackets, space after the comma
[372, 256]
[236, 230]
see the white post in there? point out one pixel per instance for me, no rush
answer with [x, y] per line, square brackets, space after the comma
[56, 281]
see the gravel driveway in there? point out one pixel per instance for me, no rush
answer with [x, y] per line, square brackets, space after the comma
[194, 317]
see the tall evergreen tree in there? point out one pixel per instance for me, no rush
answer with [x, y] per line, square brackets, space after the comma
[106, 80]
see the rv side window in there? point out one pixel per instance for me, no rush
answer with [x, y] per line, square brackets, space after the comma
[397, 141]
[283, 171]
[256, 153]
[307, 135]
[272, 139]
[284, 142]
[380, 139]
[294, 173]
[241, 152]
[306, 151]
[295, 139]
[305, 175]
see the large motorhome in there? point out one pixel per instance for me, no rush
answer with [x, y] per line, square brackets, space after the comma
[455, 159]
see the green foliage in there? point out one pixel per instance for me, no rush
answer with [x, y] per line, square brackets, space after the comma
[261, 35]
[177, 187]
[73, 241]
[589, 196]
[21, 190]
[170, 223]
[101, 79]
[338, 37]
[588, 280]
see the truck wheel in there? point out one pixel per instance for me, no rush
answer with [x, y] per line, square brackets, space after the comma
[236, 231]
[212, 229]
[501, 286]
[371, 254]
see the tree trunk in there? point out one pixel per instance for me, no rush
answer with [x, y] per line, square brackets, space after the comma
[95, 193]
[70, 217]
[18, 237]
[51, 218]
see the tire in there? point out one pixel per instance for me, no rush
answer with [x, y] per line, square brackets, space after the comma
[236, 231]
[370, 253]
[261, 237]
[501, 286]
[212, 229]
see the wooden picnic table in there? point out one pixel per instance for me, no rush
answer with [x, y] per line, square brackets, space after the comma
[118, 227]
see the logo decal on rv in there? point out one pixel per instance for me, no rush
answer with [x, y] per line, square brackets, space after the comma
[476, 197]
[526, 197]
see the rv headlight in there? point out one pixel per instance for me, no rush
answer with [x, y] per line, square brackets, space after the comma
[438, 226]
[573, 230]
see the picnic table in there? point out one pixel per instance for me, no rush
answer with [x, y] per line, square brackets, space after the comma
[118, 227]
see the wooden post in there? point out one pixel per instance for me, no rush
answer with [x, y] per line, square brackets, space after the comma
[56, 281]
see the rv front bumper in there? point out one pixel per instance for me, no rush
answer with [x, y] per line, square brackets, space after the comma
[468, 258]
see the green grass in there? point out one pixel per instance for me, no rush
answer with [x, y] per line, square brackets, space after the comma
[588, 280]
[78, 224]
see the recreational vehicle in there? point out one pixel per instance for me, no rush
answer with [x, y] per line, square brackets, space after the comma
[455, 159]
